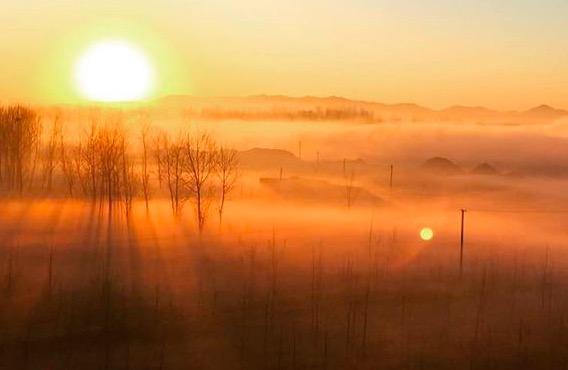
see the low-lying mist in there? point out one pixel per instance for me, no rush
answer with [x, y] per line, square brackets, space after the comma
[138, 239]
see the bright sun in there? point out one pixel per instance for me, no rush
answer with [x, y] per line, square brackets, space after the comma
[114, 71]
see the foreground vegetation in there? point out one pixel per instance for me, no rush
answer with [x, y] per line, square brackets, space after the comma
[82, 290]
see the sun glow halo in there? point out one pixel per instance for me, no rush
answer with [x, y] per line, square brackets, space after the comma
[114, 71]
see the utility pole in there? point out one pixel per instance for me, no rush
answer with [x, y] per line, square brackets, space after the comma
[390, 180]
[461, 240]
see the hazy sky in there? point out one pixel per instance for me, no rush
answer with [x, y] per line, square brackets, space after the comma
[508, 54]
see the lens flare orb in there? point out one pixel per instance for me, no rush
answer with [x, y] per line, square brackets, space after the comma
[426, 234]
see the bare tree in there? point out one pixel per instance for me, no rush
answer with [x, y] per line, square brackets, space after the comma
[127, 184]
[201, 158]
[145, 175]
[35, 154]
[108, 158]
[159, 143]
[171, 155]
[227, 173]
[78, 167]
[88, 162]
[66, 160]
[50, 162]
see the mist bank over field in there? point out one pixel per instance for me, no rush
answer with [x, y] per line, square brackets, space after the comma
[146, 237]
[332, 108]
[532, 142]
[338, 108]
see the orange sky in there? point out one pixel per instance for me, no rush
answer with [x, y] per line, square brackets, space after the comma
[510, 54]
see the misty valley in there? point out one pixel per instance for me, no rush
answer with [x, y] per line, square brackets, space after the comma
[282, 233]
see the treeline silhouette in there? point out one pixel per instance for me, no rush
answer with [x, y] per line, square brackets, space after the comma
[20, 131]
[316, 114]
[103, 164]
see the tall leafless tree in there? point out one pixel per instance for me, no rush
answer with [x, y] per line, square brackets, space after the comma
[201, 158]
[171, 155]
[145, 174]
[50, 160]
[158, 147]
[227, 173]
[66, 155]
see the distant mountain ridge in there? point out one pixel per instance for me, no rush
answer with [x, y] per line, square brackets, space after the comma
[546, 111]
[313, 107]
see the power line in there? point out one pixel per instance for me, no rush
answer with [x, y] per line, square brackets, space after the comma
[488, 210]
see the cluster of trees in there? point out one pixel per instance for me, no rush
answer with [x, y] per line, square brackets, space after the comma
[316, 114]
[20, 130]
[193, 167]
[103, 165]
